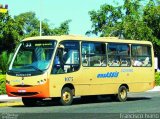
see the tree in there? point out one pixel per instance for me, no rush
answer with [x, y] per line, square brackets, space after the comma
[30, 25]
[106, 20]
[152, 20]
[118, 21]
[9, 33]
[21, 26]
[5, 59]
[132, 20]
[62, 29]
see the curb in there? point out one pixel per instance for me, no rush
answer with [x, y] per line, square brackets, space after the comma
[4, 98]
[156, 88]
[8, 104]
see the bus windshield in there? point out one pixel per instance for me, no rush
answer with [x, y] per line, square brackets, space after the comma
[33, 56]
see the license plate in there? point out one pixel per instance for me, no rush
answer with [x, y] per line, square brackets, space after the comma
[21, 91]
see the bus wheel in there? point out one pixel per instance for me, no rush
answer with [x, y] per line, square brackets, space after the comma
[28, 102]
[66, 96]
[122, 94]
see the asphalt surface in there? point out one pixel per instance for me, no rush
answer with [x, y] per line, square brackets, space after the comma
[144, 105]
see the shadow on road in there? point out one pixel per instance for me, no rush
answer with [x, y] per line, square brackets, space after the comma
[106, 100]
[138, 98]
[86, 100]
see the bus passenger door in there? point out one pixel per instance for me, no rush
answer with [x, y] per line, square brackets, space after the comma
[65, 67]
[93, 62]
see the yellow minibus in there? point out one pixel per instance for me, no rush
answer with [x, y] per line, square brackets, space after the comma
[61, 67]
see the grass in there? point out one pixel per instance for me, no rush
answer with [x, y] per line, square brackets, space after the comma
[2, 84]
[2, 76]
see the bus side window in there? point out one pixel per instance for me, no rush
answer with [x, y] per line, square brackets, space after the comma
[118, 55]
[141, 56]
[93, 54]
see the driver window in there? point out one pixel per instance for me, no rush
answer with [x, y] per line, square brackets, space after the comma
[67, 58]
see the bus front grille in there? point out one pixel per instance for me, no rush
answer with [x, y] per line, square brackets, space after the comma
[24, 93]
[22, 85]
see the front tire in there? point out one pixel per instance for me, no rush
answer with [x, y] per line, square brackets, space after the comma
[122, 94]
[66, 96]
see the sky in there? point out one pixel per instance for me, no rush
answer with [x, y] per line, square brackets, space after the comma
[57, 11]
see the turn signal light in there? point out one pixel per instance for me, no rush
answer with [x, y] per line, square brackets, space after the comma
[41, 81]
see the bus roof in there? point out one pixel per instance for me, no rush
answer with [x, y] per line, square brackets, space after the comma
[84, 38]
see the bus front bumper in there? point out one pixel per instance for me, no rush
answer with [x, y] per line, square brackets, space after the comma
[39, 91]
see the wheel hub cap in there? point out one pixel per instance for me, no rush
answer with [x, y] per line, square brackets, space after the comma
[66, 96]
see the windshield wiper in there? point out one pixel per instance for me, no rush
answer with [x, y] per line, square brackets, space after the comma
[35, 68]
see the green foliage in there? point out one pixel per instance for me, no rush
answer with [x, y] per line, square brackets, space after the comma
[25, 25]
[104, 21]
[30, 26]
[28, 23]
[5, 59]
[2, 84]
[152, 19]
[9, 33]
[63, 29]
[157, 78]
[21, 26]
[132, 20]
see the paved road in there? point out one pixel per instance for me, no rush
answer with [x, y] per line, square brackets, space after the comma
[148, 102]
